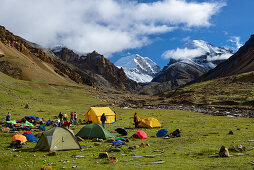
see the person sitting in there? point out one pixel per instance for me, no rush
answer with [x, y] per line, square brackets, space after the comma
[67, 124]
[176, 133]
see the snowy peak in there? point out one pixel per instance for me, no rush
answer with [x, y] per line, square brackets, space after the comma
[138, 68]
[200, 52]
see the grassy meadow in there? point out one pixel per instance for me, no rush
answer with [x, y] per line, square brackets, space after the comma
[202, 135]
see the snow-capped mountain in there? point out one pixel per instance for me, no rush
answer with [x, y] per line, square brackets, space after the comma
[191, 61]
[200, 52]
[137, 68]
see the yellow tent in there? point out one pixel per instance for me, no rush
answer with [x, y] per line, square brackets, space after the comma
[94, 115]
[149, 122]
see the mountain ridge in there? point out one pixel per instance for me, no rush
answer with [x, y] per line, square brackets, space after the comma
[138, 68]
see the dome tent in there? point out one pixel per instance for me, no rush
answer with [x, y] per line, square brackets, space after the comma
[57, 138]
[94, 131]
[94, 115]
[149, 122]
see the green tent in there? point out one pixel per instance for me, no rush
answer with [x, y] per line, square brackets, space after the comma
[94, 131]
[12, 122]
[56, 139]
[28, 124]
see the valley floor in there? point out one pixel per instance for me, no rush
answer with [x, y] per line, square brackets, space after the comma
[202, 134]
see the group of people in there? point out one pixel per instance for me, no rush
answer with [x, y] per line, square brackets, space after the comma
[64, 119]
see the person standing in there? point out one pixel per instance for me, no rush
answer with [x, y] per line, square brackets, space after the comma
[103, 119]
[72, 116]
[65, 117]
[8, 117]
[136, 120]
[61, 117]
[75, 117]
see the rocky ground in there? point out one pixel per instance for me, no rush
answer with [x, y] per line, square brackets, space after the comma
[155, 102]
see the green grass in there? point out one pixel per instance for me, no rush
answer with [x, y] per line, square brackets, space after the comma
[202, 135]
[236, 89]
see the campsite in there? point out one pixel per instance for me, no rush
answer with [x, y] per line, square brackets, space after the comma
[202, 136]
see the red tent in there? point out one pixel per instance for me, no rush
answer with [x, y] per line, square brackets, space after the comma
[141, 134]
[29, 132]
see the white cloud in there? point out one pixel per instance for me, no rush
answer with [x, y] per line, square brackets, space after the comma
[219, 57]
[236, 41]
[183, 53]
[107, 26]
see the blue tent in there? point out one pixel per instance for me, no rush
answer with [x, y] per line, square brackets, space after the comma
[31, 117]
[162, 132]
[30, 137]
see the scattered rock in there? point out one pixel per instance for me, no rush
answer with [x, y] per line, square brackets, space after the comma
[230, 132]
[223, 152]
[115, 150]
[78, 156]
[159, 162]
[46, 168]
[250, 140]
[134, 147]
[151, 156]
[110, 140]
[103, 155]
[156, 150]
[239, 154]
[112, 159]
[252, 163]
[97, 144]
[74, 166]
[53, 153]
[95, 139]
[27, 106]
[239, 148]
[137, 156]
[143, 144]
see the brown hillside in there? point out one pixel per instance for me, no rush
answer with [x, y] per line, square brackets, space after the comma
[34, 63]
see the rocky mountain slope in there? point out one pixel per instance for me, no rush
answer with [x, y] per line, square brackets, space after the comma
[20, 59]
[138, 68]
[28, 61]
[241, 62]
[101, 69]
[189, 67]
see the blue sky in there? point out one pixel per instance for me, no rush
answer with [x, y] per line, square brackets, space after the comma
[116, 28]
[233, 20]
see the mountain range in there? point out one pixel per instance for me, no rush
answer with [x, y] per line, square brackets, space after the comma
[25, 60]
[138, 68]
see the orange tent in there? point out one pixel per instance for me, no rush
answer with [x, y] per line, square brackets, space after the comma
[22, 138]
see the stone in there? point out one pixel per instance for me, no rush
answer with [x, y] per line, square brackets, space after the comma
[158, 162]
[112, 159]
[97, 144]
[103, 155]
[230, 132]
[78, 156]
[223, 152]
[95, 139]
[46, 168]
[115, 150]
[27, 106]
[53, 153]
